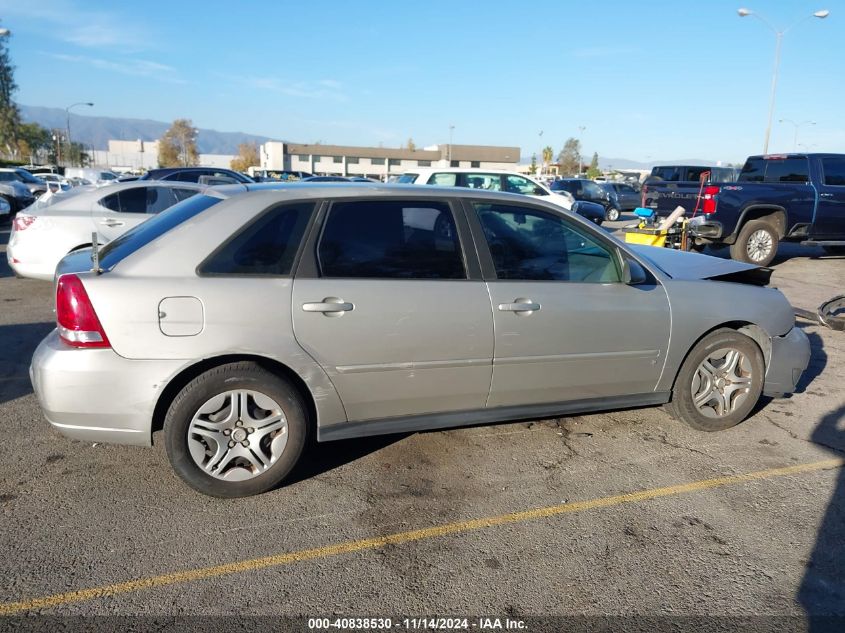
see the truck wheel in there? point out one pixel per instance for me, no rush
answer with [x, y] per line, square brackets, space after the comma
[757, 243]
[719, 383]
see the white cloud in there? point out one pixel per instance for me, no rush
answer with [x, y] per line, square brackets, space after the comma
[126, 66]
[322, 89]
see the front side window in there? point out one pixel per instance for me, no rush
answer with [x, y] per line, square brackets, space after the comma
[834, 171]
[518, 184]
[390, 240]
[267, 246]
[591, 189]
[533, 245]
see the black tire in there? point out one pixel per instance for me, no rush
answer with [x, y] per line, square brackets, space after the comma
[233, 376]
[834, 250]
[611, 214]
[750, 237]
[683, 407]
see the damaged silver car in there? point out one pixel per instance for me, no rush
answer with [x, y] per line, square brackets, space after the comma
[245, 319]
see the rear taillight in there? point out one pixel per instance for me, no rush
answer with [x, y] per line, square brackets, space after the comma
[77, 321]
[709, 203]
[22, 222]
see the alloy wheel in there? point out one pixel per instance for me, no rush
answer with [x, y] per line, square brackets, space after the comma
[759, 245]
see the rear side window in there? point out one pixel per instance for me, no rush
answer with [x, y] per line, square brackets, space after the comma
[787, 170]
[834, 171]
[142, 234]
[413, 239]
[449, 179]
[267, 246]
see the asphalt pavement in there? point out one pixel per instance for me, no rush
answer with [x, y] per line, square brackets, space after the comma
[612, 514]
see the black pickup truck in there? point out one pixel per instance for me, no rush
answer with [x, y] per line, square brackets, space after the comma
[784, 197]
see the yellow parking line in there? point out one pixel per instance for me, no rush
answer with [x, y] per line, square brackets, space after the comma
[8, 608]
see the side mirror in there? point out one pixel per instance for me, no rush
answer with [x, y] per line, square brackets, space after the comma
[632, 273]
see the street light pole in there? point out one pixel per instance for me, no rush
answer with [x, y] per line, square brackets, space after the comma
[742, 12]
[451, 129]
[797, 125]
[67, 114]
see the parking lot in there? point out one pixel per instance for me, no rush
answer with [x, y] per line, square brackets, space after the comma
[620, 513]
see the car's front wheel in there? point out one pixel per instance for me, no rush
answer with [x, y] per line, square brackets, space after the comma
[235, 430]
[719, 383]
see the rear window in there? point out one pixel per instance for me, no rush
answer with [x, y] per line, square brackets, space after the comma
[142, 234]
[775, 170]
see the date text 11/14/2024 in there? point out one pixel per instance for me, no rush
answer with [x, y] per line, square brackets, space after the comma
[416, 624]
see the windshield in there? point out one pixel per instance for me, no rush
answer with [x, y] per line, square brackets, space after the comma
[144, 233]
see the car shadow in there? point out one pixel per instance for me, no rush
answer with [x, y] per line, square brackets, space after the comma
[822, 589]
[818, 358]
[322, 457]
[20, 341]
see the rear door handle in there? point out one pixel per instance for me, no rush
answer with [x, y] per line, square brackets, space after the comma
[825, 195]
[329, 305]
[520, 305]
[112, 223]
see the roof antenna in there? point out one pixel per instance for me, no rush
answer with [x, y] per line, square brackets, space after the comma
[95, 254]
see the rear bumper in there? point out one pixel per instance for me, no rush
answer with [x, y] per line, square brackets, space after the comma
[96, 395]
[790, 357]
[700, 226]
[27, 263]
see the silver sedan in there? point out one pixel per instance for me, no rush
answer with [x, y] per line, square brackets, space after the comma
[239, 323]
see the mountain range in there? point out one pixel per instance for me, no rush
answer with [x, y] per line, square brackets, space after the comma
[96, 131]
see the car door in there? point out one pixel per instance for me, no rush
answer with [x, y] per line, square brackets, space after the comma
[388, 303]
[829, 220]
[116, 213]
[566, 326]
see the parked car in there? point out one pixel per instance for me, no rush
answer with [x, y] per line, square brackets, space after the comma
[15, 192]
[785, 197]
[327, 179]
[241, 324]
[495, 180]
[35, 185]
[5, 211]
[61, 223]
[205, 175]
[93, 174]
[588, 191]
[623, 197]
[274, 175]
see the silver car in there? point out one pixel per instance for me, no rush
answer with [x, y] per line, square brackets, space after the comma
[241, 323]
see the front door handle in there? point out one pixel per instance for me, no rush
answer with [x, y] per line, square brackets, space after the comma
[520, 306]
[112, 223]
[330, 306]
[825, 195]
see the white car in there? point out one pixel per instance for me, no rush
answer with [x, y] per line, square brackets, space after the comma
[63, 222]
[497, 180]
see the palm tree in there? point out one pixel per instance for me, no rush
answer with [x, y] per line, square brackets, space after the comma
[548, 155]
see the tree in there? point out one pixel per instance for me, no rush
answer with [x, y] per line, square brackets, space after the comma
[569, 158]
[178, 146]
[10, 117]
[34, 142]
[533, 168]
[411, 145]
[247, 157]
[594, 170]
[548, 156]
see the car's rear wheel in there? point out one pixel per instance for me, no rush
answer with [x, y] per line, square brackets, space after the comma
[235, 430]
[757, 243]
[719, 383]
[612, 214]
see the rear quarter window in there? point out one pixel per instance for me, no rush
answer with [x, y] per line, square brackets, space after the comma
[266, 246]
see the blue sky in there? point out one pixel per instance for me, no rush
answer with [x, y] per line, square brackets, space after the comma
[648, 80]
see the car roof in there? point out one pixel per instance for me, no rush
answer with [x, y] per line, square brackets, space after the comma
[465, 170]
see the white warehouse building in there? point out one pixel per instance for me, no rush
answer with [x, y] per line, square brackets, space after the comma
[380, 162]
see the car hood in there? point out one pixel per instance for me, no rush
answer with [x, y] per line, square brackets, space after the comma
[691, 266]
